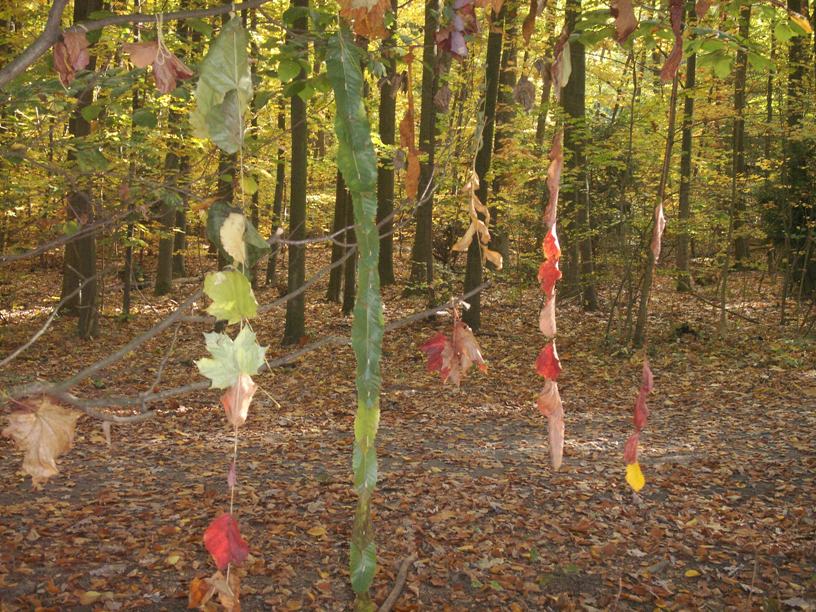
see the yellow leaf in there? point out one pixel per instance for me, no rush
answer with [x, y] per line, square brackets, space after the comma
[801, 22]
[634, 476]
[173, 559]
[692, 573]
[232, 236]
[89, 597]
[317, 531]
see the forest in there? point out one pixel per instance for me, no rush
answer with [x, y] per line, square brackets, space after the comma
[251, 252]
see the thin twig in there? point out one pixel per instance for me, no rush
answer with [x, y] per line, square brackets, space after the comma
[402, 576]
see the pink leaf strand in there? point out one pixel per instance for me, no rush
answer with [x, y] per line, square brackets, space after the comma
[640, 414]
[676, 55]
[554, 178]
[657, 232]
[223, 540]
[549, 404]
[625, 20]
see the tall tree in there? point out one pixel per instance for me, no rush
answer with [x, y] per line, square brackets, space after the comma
[277, 201]
[341, 198]
[80, 255]
[573, 99]
[422, 249]
[684, 208]
[738, 137]
[385, 169]
[295, 326]
[473, 271]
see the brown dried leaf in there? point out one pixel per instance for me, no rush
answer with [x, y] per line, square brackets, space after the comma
[71, 54]
[625, 20]
[368, 16]
[167, 69]
[237, 398]
[672, 65]
[44, 430]
[142, 54]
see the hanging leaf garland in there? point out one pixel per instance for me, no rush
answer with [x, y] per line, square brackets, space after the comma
[407, 133]
[640, 416]
[236, 237]
[672, 65]
[224, 89]
[71, 54]
[547, 364]
[478, 227]
[625, 20]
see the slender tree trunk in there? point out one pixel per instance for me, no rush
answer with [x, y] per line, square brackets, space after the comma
[295, 326]
[80, 255]
[164, 265]
[544, 105]
[341, 197]
[277, 202]
[573, 99]
[473, 271]
[422, 250]
[684, 210]
[350, 265]
[385, 170]
[738, 139]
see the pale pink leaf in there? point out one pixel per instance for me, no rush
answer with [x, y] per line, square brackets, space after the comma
[625, 21]
[657, 231]
[630, 448]
[232, 477]
[554, 177]
[549, 403]
[546, 318]
[237, 398]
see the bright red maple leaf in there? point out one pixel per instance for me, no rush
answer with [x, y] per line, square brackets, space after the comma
[548, 365]
[224, 541]
[548, 275]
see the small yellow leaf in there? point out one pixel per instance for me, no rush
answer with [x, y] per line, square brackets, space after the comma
[317, 531]
[173, 559]
[692, 573]
[634, 476]
[801, 22]
[232, 236]
[89, 597]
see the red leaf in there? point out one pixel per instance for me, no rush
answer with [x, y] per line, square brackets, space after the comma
[631, 448]
[167, 68]
[453, 358]
[224, 541]
[548, 365]
[549, 403]
[641, 411]
[434, 348]
[550, 246]
[548, 274]
[676, 56]
[71, 54]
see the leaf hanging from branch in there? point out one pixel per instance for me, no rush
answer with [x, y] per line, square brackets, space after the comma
[453, 357]
[657, 231]
[477, 227]
[44, 430]
[640, 416]
[236, 402]
[675, 57]
[71, 54]
[549, 404]
[561, 68]
[224, 542]
[167, 68]
[408, 136]
[367, 16]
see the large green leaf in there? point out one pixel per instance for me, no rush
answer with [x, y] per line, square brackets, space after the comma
[231, 295]
[231, 357]
[224, 89]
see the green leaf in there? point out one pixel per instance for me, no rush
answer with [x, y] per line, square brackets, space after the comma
[363, 563]
[90, 159]
[231, 295]
[224, 71]
[230, 358]
[249, 185]
[722, 68]
[783, 31]
[91, 112]
[288, 69]
[144, 117]
[760, 62]
[200, 26]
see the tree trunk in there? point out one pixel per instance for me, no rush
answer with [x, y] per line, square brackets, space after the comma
[295, 326]
[164, 266]
[473, 271]
[80, 255]
[350, 265]
[738, 139]
[544, 105]
[385, 170]
[422, 250]
[277, 202]
[573, 99]
[684, 211]
[341, 197]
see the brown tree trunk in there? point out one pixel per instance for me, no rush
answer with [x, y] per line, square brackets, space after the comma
[741, 253]
[684, 208]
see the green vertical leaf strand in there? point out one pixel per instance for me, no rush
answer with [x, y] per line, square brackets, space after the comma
[357, 162]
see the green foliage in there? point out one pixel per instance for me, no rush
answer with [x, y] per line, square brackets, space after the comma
[254, 243]
[224, 89]
[230, 358]
[231, 295]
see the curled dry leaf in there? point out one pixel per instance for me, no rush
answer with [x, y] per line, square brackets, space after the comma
[524, 93]
[203, 590]
[237, 398]
[44, 430]
[657, 231]
[562, 64]
[71, 54]
[168, 70]
[675, 57]
[142, 54]
[701, 8]
[549, 404]
[548, 364]
[625, 20]
[224, 542]
[554, 178]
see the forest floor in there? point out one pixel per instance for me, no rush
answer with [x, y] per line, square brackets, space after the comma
[727, 519]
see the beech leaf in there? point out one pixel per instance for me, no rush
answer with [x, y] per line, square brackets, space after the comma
[231, 295]
[142, 54]
[224, 542]
[44, 430]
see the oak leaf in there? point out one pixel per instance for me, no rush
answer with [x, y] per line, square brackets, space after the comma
[44, 430]
[224, 542]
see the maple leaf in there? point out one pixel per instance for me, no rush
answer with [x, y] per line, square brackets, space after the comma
[224, 542]
[71, 54]
[549, 404]
[142, 54]
[231, 358]
[453, 357]
[547, 364]
[237, 398]
[167, 70]
[44, 430]
[231, 295]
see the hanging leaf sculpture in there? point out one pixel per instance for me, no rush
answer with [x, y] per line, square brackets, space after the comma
[71, 54]
[675, 57]
[640, 416]
[357, 161]
[452, 357]
[235, 236]
[44, 430]
[561, 68]
[451, 37]
[478, 227]
[224, 89]
[367, 16]
[236, 402]
[231, 358]
[231, 295]
[408, 135]
[224, 542]
[549, 273]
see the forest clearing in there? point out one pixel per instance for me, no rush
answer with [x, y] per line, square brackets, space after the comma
[251, 253]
